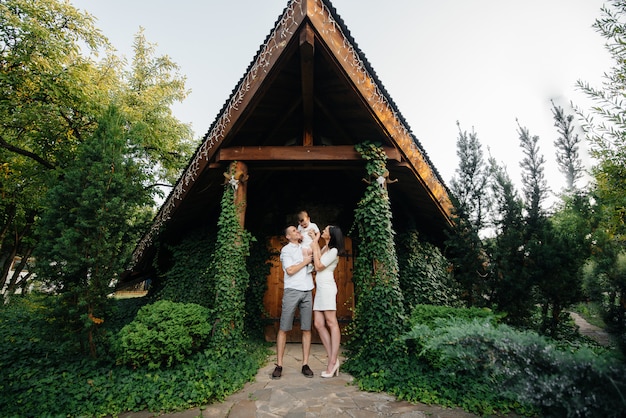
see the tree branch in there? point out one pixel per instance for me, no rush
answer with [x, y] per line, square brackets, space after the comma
[4, 144]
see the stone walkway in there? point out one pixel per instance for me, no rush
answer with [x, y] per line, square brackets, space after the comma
[294, 395]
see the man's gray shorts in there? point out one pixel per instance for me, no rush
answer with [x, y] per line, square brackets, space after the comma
[293, 299]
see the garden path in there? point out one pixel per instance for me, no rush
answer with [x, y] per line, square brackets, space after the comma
[591, 331]
[297, 396]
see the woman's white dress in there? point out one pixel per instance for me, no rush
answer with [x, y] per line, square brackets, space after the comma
[325, 286]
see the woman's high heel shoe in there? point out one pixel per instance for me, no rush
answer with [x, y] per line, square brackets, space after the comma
[334, 372]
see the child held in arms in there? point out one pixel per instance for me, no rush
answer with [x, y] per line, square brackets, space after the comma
[304, 226]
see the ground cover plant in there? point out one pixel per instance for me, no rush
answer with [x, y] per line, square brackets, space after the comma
[41, 372]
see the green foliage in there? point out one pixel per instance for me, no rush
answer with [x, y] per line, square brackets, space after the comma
[567, 147]
[469, 261]
[54, 93]
[153, 86]
[463, 357]
[94, 216]
[604, 128]
[564, 246]
[190, 279]
[39, 371]
[511, 289]
[259, 265]
[46, 107]
[231, 275]
[471, 180]
[431, 315]
[378, 319]
[163, 333]
[425, 276]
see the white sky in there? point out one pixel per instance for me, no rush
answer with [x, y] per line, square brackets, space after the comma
[483, 63]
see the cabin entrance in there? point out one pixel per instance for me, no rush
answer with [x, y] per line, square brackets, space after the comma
[274, 294]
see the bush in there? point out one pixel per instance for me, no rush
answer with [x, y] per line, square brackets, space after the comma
[523, 367]
[163, 333]
[429, 315]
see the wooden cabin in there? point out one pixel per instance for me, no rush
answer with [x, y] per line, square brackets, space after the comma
[307, 97]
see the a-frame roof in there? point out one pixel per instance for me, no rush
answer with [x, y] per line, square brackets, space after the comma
[307, 97]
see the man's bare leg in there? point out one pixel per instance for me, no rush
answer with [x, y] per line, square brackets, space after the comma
[281, 341]
[306, 346]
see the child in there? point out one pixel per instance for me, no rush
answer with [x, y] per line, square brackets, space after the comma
[304, 226]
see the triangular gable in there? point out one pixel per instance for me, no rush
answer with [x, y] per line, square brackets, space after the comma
[335, 37]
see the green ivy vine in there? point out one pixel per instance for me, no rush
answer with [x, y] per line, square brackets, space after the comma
[190, 278]
[379, 317]
[425, 274]
[231, 279]
[259, 267]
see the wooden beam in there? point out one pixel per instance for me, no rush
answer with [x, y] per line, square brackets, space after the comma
[296, 153]
[307, 52]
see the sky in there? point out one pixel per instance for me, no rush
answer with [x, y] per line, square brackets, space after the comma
[486, 64]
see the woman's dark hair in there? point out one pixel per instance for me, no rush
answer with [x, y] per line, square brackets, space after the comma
[336, 239]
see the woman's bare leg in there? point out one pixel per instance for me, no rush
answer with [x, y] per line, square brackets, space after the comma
[334, 338]
[320, 326]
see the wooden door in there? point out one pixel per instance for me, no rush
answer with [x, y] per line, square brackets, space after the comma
[274, 293]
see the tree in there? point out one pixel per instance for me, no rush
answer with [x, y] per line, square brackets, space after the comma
[565, 247]
[511, 287]
[471, 179]
[566, 145]
[92, 213]
[46, 104]
[51, 98]
[153, 86]
[535, 187]
[606, 134]
[471, 201]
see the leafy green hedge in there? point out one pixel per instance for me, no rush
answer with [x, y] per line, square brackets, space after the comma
[163, 333]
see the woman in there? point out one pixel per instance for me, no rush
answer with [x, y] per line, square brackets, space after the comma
[325, 261]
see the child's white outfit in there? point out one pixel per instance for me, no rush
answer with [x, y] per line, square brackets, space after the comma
[307, 240]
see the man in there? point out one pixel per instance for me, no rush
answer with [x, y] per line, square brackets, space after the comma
[297, 295]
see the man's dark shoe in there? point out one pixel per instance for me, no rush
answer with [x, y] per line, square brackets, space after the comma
[306, 371]
[278, 371]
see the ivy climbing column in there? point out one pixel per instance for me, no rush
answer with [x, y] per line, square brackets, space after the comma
[379, 313]
[229, 258]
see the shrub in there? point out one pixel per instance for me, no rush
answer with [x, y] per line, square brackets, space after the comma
[522, 367]
[164, 332]
[429, 315]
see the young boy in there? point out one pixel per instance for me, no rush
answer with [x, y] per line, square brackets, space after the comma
[304, 226]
